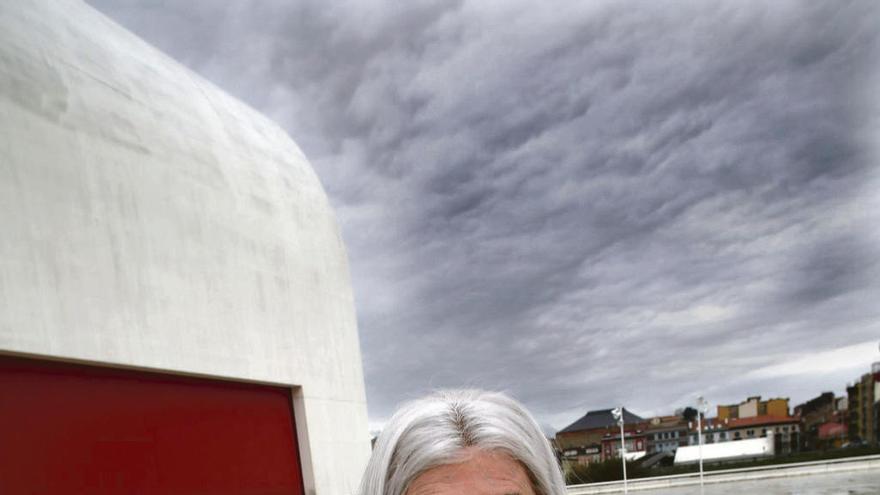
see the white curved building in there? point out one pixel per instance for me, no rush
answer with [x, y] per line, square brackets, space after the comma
[154, 229]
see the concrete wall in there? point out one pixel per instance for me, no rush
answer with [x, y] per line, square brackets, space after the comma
[150, 220]
[777, 407]
[735, 449]
[727, 412]
[749, 408]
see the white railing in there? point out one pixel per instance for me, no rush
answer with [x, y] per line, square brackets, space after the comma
[728, 475]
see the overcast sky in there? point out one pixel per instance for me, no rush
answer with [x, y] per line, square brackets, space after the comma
[584, 204]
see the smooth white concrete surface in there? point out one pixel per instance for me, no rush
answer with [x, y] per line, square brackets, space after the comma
[865, 463]
[734, 449]
[863, 482]
[151, 220]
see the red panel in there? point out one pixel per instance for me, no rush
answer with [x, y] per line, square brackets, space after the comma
[71, 429]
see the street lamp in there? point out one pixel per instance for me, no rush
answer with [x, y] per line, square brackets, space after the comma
[702, 407]
[617, 412]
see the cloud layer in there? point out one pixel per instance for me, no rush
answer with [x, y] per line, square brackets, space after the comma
[583, 203]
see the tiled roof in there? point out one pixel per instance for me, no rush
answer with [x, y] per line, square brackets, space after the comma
[760, 421]
[600, 419]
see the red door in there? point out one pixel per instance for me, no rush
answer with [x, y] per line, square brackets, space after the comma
[71, 429]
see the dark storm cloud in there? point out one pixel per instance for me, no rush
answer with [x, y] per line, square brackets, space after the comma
[584, 203]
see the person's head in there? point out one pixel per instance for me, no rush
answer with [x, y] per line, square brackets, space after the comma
[467, 442]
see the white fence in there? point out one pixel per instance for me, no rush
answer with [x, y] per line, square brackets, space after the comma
[729, 475]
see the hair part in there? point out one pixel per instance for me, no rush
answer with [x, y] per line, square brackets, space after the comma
[433, 431]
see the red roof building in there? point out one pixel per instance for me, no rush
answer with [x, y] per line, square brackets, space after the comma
[636, 446]
[786, 431]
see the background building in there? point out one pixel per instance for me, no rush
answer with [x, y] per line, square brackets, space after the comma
[176, 314]
[714, 431]
[830, 436]
[748, 420]
[822, 420]
[754, 406]
[863, 408]
[579, 440]
[785, 431]
[728, 411]
[583, 455]
[666, 433]
[636, 444]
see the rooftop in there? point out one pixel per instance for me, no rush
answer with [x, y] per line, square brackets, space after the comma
[760, 420]
[599, 419]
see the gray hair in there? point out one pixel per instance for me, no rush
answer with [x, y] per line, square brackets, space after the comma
[432, 431]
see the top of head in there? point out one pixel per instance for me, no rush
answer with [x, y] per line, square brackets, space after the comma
[435, 430]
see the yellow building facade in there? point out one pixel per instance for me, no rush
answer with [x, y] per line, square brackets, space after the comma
[754, 406]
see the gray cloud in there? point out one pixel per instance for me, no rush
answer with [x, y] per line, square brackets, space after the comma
[585, 205]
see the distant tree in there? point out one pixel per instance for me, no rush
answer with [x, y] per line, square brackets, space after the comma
[689, 414]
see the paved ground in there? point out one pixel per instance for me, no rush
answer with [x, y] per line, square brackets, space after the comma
[848, 483]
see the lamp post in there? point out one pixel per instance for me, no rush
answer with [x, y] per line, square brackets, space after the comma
[617, 412]
[701, 409]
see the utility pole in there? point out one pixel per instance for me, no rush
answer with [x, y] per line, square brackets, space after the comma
[618, 415]
[701, 409]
